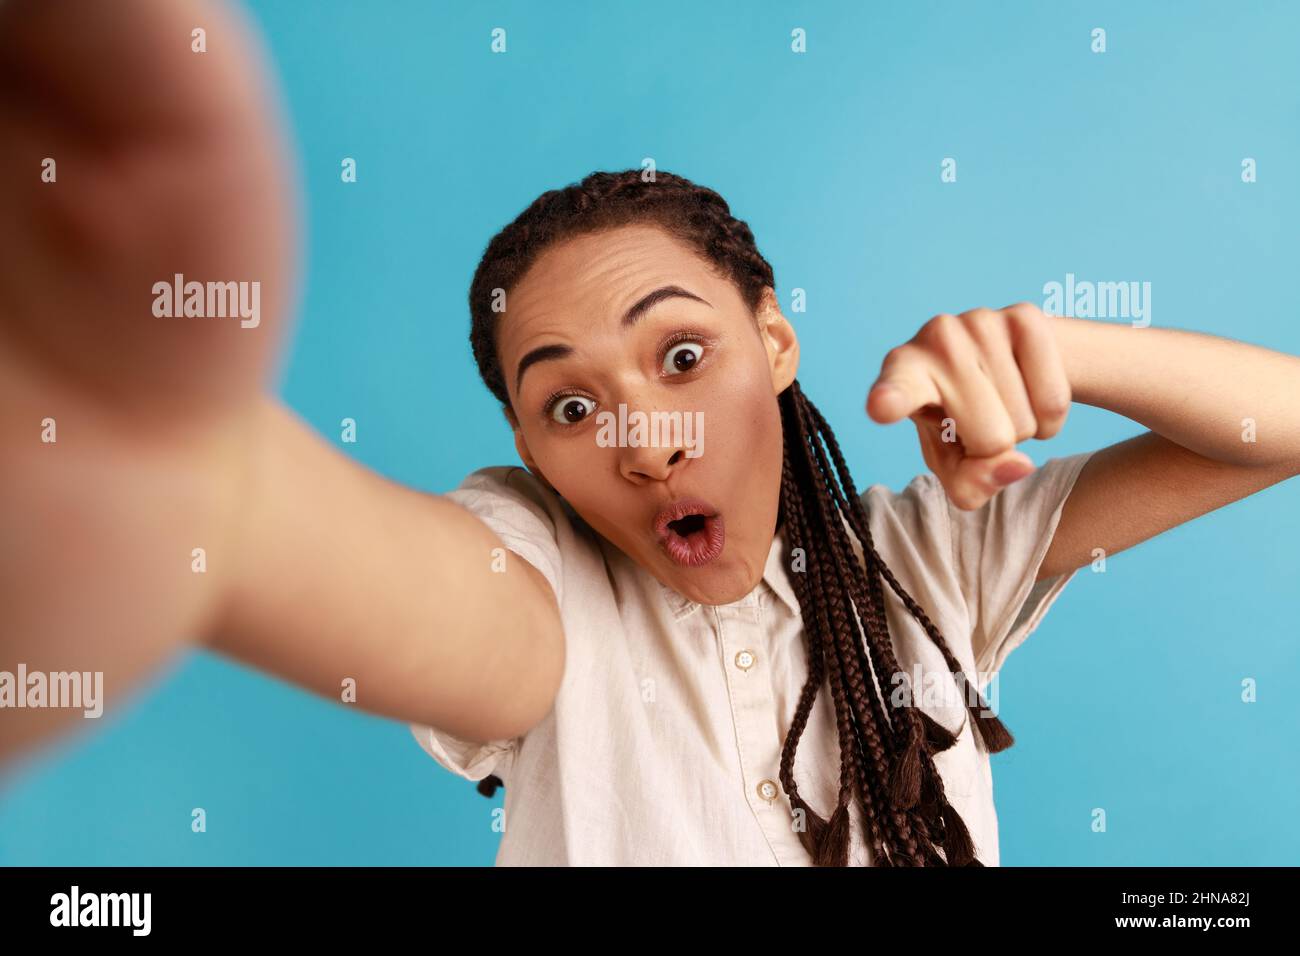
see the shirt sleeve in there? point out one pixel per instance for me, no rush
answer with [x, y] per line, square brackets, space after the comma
[997, 550]
[466, 758]
[513, 503]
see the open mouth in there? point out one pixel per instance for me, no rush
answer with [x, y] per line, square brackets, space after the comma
[688, 526]
[690, 531]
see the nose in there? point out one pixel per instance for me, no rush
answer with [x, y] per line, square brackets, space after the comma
[657, 438]
[655, 450]
[640, 465]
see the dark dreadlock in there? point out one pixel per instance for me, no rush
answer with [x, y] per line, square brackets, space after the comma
[886, 748]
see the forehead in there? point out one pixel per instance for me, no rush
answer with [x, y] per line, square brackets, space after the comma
[589, 281]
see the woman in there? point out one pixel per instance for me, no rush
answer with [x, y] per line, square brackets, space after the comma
[703, 652]
[682, 677]
[695, 661]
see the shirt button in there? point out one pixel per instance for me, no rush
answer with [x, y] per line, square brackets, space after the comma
[745, 660]
[767, 790]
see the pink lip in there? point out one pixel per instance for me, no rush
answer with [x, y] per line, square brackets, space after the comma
[698, 548]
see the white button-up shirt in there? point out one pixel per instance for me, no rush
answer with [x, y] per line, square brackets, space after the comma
[664, 743]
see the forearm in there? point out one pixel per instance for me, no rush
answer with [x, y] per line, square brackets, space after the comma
[344, 574]
[1228, 401]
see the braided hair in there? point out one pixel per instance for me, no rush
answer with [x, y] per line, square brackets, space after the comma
[886, 745]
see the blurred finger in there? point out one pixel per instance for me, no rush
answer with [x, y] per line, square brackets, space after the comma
[994, 343]
[967, 393]
[1042, 367]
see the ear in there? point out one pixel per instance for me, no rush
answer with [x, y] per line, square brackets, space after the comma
[521, 446]
[779, 340]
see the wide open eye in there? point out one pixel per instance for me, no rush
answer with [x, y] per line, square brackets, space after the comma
[569, 409]
[683, 357]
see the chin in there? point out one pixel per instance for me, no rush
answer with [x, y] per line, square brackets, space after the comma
[712, 585]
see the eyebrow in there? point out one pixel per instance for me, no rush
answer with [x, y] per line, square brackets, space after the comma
[643, 305]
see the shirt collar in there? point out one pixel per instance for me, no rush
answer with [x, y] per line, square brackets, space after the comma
[775, 574]
[775, 579]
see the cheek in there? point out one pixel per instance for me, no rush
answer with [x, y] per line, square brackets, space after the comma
[743, 426]
[564, 460]
[571, 464]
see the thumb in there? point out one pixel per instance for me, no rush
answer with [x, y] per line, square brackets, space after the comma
[971, 481]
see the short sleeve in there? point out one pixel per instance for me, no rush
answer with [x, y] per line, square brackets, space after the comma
[514, 504]
[466, 758]
[997, 550]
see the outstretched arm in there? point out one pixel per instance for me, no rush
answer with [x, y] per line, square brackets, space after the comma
[340, 573]
[131, 438]
[1224, 419]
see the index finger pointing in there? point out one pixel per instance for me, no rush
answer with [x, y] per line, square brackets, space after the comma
[903, 386]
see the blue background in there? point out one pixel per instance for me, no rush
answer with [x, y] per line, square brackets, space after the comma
[1115, 166]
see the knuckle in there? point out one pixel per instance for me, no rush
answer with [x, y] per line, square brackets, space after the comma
[941, 334]
[937, 322]
[1002, 436]
[1024, 312]
[896, 354]
[897, 358]
[1047, 429]
[987, 327]
[989, 440]
[1054, 406]
[1025, 318]
[980, 314]
[1049, 423]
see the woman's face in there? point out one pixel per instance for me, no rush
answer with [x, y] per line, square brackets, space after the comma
[707, 359]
